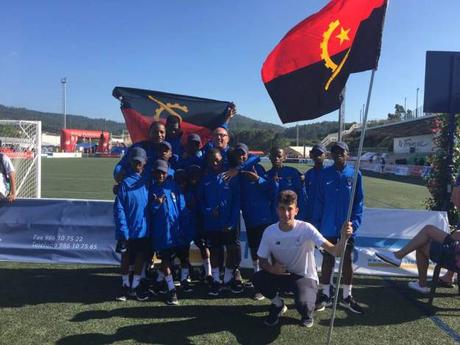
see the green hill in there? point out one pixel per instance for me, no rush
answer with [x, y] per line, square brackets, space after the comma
[52, 122]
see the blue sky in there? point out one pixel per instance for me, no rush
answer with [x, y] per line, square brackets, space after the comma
[212, 49]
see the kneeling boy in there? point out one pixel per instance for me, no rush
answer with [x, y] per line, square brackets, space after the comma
[286, 256]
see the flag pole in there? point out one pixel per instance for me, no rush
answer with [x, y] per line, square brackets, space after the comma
[341, 114]
[350, 205]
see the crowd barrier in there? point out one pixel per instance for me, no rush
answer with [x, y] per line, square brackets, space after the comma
[82, 231]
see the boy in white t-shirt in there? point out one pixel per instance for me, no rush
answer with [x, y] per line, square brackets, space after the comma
[286, 256]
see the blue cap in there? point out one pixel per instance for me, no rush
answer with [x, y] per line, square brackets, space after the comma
[137, 154]
[161, 165]
[194, 137]
[167, 144]
[242, 147]
[194, 168]
[318, 148]
[340, 145]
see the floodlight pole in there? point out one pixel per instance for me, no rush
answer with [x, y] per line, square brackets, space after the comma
[350, 205]
[416, 103]
[64, 100]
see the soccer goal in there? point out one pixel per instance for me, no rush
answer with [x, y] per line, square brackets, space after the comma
[21, 142]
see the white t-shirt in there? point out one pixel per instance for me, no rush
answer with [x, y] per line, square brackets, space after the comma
[295, 249]
[8, 167]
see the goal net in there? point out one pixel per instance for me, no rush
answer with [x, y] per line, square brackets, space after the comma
[21, 142]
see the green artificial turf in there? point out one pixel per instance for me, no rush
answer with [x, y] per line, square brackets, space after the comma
[73, 304]
[91, 178]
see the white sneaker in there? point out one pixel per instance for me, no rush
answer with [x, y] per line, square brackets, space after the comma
[388, 256]
[416, 286]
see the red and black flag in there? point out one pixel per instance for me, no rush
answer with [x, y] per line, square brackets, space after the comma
[306, 72]
[141, 107]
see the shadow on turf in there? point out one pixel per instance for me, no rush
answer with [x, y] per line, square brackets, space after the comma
[31, 286]
[201, 320]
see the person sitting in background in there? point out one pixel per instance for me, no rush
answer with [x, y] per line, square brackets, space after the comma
[430, 243]
[7, 179]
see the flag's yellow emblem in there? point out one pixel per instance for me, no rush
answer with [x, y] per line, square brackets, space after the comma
[342, 36]
[170, 108]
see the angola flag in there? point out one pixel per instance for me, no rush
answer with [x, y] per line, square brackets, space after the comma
[141, 107]
[306, 72]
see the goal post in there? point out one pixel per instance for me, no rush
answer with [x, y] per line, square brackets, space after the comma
[22, 143]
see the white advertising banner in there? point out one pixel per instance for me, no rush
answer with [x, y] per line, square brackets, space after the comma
[418, 143]
[82, 231]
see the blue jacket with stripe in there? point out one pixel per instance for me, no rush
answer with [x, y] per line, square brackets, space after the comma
[289, 178]
[131, 208]
[167, 216]
[224, 196]
[330, 212]
[256, 199]
[312, 179]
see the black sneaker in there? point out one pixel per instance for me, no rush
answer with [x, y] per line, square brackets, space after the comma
[140, 293]
[322, 302]
[274, 314]
[249, 284]
[236, 286]
[209, 280]
[124, 294]
[351, 305]
[171, 299]
[159, 288]
[214, 289]
[306, 321]
[186, 286]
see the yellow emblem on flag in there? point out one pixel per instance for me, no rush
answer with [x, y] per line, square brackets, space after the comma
[168, 107]
[342, 36]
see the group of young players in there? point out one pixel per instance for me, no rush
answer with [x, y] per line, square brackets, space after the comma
[171, 192]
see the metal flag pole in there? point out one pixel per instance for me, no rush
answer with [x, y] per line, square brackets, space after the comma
[350, 205]
[341, 115]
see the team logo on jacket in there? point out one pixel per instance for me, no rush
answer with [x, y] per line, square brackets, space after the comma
[350, 180]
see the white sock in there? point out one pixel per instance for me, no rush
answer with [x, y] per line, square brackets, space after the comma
[207, 266]
[170, 281]
[160, 276]
[184, 274]
[277, 301]
[326, 289]
[346, 290]
[136, 281]
[255, 265]
[228, 275]
[216, 274]
[125, 279]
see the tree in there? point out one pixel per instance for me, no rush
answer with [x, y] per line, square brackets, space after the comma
[398, 114]
[441, 175]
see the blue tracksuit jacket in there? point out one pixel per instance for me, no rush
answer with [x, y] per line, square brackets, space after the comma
[167, 217]
[131, 208]
[256, 199]
[333, 198]
[312, 179]
[213, 193]
[184, 163]
[288, 178]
